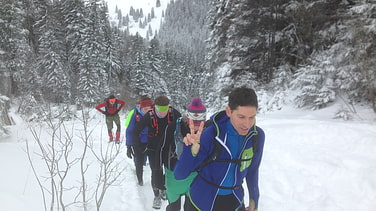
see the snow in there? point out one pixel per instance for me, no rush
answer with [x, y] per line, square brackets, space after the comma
[145, 5]
[311, 162]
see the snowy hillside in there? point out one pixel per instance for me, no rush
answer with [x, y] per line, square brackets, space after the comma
[311, 162]
[145, 5]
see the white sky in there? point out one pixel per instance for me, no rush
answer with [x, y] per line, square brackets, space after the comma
[311, 162]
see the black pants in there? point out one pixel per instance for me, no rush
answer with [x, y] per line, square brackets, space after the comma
[139, 161]
[157, 177]
[222, 203]
[175, 206]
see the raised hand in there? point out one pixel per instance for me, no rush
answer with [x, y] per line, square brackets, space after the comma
[193, 138]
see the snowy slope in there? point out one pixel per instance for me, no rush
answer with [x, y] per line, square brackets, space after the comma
[146, 5]
[311, 162]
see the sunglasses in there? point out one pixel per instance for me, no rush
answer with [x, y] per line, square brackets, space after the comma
[197, 122]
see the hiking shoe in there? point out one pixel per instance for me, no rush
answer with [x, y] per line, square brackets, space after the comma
[157, 202]
[162, 193]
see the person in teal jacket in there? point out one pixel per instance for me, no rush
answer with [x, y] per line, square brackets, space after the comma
[218, 185]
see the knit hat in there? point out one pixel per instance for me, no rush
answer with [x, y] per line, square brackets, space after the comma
[196, 110]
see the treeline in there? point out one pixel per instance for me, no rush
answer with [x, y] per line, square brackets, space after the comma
[67, 52]
[314, 52]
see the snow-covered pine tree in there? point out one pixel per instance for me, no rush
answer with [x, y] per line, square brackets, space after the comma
[355, 54]
[315, 83]
[138, 68]
[55, 78]
[93, 77]
[156, 82]
[74, 24]
[16, 55]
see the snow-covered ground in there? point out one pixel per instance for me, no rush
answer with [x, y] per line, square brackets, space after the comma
[311, 162]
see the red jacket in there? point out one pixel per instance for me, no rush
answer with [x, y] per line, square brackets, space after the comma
[110, 108]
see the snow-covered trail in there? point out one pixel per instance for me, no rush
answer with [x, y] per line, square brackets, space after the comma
[311, 162]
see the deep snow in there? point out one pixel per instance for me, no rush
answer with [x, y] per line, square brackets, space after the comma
[311, 162]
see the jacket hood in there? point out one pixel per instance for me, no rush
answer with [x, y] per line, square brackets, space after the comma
[218, 119]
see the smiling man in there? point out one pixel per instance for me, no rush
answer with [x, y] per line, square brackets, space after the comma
[224, 154]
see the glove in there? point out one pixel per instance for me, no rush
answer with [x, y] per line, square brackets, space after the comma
[106, 113]
[130, 152]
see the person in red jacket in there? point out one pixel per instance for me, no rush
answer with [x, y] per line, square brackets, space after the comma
[111, 110]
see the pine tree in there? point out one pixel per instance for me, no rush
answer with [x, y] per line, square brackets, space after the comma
[92, 74]
[155, 76]
[51, 63]
[111, 41]
[16, 55]
[138, 67]
[152, 14]
[315, 84]
[74, 25]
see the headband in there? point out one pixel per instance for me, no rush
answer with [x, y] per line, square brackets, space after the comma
[161, 108]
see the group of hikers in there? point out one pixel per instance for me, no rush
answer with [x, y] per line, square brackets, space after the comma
[203, 159]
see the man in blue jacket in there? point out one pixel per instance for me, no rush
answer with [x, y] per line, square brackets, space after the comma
[238, 145]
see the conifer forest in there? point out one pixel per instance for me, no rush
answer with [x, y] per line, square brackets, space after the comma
[66, 52]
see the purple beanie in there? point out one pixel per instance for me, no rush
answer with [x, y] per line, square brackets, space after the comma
[196, 106]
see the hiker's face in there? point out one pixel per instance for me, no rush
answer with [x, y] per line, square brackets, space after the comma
[145, 109]
[242, 118]
[162, 114]
[196, 124]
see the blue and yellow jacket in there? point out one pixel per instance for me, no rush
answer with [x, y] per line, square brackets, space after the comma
[135, 117]
[201, 193]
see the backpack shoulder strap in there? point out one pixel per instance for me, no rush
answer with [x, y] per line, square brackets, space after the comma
[170, 115]
[107, 103]
[254, 139]
[153, 122]
[217, 150]
[137, 115]
[177, 129]
[115, 106]
[212, 157]
[178, 139]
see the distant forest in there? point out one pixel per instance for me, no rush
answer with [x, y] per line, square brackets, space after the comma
[312, 52]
